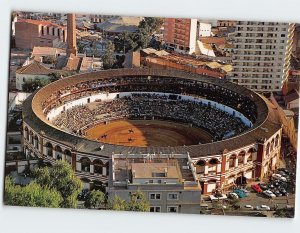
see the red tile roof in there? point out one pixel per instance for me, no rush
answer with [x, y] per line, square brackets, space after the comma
[34, 68]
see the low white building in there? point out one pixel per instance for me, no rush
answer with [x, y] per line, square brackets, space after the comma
[204, 29]
[31, 72]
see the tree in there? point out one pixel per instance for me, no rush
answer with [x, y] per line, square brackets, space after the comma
[108, 56]
[32, 85]
[62, 178]
[94, 199]
[31, 195]
[138, 202]
[125, 42]
[49, 60]
[118, 204]
[151, 24]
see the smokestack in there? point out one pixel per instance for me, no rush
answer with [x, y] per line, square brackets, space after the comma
[71, 35]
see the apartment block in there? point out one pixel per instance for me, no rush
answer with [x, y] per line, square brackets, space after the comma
[180, 34]
[262, 52]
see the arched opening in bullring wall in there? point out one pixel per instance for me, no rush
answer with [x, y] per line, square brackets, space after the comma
[212, 165]
[241, 157]
[200, 166]
[268, 149]
[58, 152]
[98, 166]
[31, 137]
[277, 140]
[26, 133]
[68, 155]
[252, 156]
[49, 149]
[85, 164]
[231, 160]
[36, 142]
[272, 144]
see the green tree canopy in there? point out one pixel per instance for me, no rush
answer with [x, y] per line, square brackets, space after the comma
[138, 202]
[118, 204]
[31, 195]
[62, 178]
[108, 56]
[151, 24]
[32, 85]
[94, 199]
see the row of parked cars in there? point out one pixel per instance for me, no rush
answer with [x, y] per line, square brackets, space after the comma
[277, 186]
[238, 193]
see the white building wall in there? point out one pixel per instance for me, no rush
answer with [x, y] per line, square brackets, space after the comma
[204, 29]
[262, 55]
[193, 36]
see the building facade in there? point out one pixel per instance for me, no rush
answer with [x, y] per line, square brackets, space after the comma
[31, 72]
[169, 181]
[262, 54]
[180, 34]
[30, 33]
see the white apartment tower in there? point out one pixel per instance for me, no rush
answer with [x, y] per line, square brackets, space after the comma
[262, 53]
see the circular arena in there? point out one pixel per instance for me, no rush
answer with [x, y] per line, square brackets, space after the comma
[227, 131]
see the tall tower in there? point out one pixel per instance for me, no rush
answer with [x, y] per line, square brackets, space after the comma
[71, 35]
[262, 54]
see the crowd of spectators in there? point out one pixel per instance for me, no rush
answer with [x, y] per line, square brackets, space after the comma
[216, 93]
[151, 106]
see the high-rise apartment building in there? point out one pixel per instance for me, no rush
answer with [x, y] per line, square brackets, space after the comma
[180, 34]
[262, 54]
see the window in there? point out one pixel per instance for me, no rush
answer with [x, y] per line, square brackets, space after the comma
[155, 208]
[282, 35]
[172, 209]
[172, 196]
[150, 181]
[155, 196]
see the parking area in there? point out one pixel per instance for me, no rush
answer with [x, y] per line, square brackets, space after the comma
[275, 193]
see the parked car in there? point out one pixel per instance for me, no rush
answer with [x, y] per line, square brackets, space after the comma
[286, 171]
[263, 186]
[271, 186]
[233, 196]
[240, 193]
[268, 193]
[246, 192]
[283, 192]
[249, 207]
[256, 188]
[277, 193]
[263, 207]
[276, 176]
[279, 177]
